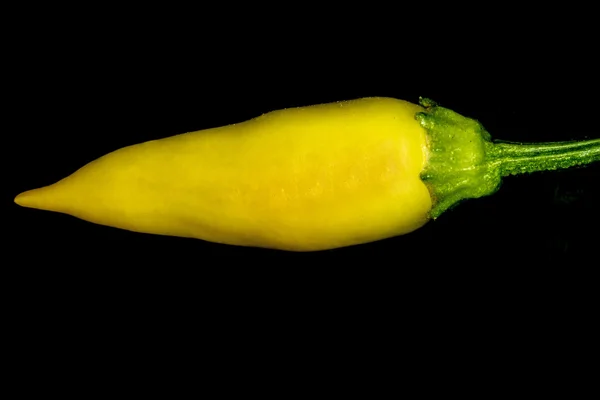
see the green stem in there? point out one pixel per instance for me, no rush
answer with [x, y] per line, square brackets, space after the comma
[464, 162]
[517, 158]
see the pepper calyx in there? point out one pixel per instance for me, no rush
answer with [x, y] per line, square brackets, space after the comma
[458, 167]
[464, 163]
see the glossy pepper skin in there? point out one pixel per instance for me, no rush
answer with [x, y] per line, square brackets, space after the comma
[303, 179]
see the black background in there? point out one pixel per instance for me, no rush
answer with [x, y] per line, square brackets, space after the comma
[90, 85]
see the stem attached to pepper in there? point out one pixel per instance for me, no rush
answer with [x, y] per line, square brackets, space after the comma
[517, 158]
[464, 162]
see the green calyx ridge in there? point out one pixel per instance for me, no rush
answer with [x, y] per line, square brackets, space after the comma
[465, 163]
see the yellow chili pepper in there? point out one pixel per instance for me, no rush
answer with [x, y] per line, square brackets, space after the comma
[302, 179]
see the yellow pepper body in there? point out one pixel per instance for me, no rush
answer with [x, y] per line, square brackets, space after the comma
[301, 179]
